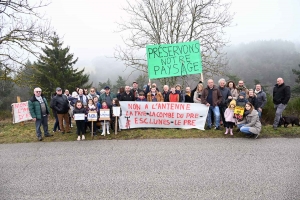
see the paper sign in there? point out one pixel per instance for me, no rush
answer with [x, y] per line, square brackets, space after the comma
[92, 116]
[163, 115]
[116, 111]
[239, 110]
[79, 116]
[20, 112]
[104, 114]
[167, 60]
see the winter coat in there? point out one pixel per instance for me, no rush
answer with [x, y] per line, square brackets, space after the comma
[261, 98]
[225, 94]
[135, 92]
[60, 103]
[243, 89]
[103, 97]
[253, 101]
[228, 115]
[281, 94]
[188, 98]
[234, 93]
[166, 96]
[91, 96]
[84, 99]
[216, 96]
[35, 107]
[79, 111]
[252, 120]
[127, 97]
[158, 96]
[242, 102]
[174, 97]
[197, 95]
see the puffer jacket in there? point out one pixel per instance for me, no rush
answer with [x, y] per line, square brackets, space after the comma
[252, 120]
[60, 103]
[35, 107]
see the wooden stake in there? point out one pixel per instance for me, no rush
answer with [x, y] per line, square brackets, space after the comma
[19, 101]
[116, 125]
[92, 134]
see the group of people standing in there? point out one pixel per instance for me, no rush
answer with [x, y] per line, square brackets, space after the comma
[222, 99]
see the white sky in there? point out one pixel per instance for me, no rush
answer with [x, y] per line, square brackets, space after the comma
[88, 26]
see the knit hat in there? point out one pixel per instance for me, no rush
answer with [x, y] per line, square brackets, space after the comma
[242, 94]
[74, 94]
[232, 102]
[145, 86]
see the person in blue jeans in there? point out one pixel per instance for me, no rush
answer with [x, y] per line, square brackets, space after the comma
[212, 97]
[250, 124]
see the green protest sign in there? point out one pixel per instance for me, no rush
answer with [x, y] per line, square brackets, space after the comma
[167, 60]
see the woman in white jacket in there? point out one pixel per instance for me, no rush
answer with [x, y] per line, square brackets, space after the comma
[198, 93]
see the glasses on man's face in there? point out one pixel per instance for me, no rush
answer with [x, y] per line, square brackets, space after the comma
[38, 91]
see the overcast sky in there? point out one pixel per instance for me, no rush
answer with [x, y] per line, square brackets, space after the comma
[88, 26]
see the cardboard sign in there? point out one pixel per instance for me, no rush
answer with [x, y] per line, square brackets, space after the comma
[239, 110]
[116, 111]
[20, 112]
[92, 116]
[167, 60]
[104, 114]
[163, 115]
[79, 116]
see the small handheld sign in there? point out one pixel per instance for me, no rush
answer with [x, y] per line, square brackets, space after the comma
[104, 114]
[79, 116]
[92, 116]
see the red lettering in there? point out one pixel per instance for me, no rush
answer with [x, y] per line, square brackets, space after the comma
[136, 120]
[189, 122]
[188, 106]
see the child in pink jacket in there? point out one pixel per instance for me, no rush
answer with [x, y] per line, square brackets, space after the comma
[229, 113]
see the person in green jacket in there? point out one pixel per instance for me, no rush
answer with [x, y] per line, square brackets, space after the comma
[39, 110]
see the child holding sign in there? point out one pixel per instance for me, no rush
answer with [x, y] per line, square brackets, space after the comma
[113, 117]
[229, 117]
[79, 117]
[91, 107]
[105, 123]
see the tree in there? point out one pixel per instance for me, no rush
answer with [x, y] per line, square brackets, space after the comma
[6, 88]
[22, 30]
[120, 83]
[102, 85]
[296, 88]
[55, 69]
[173, 21]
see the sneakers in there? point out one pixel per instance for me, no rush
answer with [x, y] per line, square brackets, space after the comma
[71, 126]
[83, 138]
[78, 138]
[40, 138]
[103, 133]
[218, 128]
[108, 132]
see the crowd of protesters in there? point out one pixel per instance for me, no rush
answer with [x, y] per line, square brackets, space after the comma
[221, 98]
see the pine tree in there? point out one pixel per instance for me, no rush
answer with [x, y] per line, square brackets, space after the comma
[56, 69]
[119, 83]
[296, 88]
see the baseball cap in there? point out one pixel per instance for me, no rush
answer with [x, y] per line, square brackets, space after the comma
[106, 87]
[58, 88]
[135, 82]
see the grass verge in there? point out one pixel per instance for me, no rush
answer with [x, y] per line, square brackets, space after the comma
[18, 133]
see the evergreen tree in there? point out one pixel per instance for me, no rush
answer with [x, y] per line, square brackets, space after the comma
[296, 88]
[56, 69]
[120, 83]
[102, 85]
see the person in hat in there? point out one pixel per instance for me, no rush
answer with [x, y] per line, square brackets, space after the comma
[61, 105]
[39, 111]
[107, 96]
[229, 117]
[135, 89]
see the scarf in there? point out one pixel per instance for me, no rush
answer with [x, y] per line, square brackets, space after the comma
[40, 99]
[256, 92]
[247, 112]
[241, 88]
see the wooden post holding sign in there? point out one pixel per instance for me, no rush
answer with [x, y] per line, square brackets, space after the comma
[92, 117]
[116, 112]
[104, 115]
[19, 101]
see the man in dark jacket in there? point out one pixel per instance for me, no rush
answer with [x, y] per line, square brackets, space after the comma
[212, 97]
[60, 103]
[39, 111]
[281, 97]
[127, 95]
[135, 90]
[166, 93]
[226, 98]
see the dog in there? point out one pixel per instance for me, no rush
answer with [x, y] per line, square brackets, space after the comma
[285, 121]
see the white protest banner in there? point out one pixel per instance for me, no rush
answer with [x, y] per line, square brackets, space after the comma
[92, 116]
[79, 116]
[104, 114]
[116, 111]
[163, 115]
[20, 112]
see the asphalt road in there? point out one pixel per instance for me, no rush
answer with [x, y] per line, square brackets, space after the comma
[152, 169]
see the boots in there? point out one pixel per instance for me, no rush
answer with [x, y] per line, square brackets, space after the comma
[226, 131]
[107, 126]
[231, 133]
[103, 129]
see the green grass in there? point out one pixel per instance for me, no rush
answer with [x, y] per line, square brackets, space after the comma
[18, 133]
